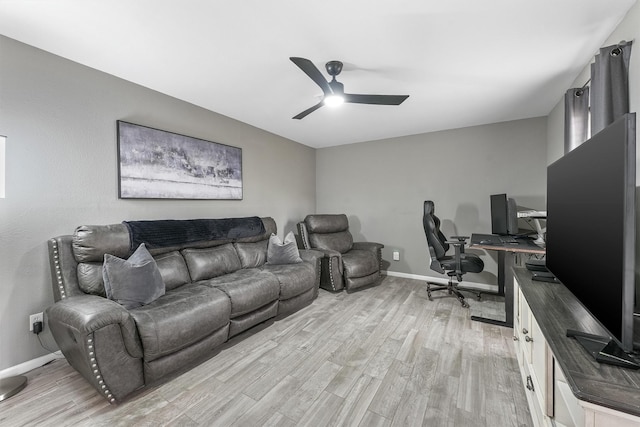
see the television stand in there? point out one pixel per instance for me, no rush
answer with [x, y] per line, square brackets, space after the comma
[604, 349]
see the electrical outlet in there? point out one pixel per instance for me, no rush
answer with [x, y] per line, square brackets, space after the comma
[38, 317]
[396, 255]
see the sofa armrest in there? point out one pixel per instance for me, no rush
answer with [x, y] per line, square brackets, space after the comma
[99, 338]
[310, 255]
[331, 270]
[88, 313]
[376, 248]
[303, 236]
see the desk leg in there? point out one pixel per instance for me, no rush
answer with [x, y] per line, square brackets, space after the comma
[505, 287]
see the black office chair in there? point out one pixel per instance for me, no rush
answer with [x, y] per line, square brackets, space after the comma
[452, 266]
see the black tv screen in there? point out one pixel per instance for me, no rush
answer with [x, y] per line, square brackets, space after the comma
[591, 225]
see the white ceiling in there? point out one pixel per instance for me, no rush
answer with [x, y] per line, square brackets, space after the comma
[463, 62]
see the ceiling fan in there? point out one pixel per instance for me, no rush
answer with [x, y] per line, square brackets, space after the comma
[334, 90]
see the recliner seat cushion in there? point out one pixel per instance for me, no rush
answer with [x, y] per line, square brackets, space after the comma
[248, 289]
[180, 318]
[294, 279]
[359, 263]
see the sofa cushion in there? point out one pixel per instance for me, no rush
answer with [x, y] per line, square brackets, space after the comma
[180, 318]
[252, 255]
[294, 279]
[248, 289]
[173, 269]
[207, 263]
[360, 263]
[283, 252]
[132, 282]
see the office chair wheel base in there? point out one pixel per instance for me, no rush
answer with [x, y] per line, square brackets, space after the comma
[464, 303]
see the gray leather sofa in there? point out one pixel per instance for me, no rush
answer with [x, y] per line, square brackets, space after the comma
[214, 290]
[346, 264]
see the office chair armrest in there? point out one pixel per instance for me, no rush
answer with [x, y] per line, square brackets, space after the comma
[459, 250]
[462, 240]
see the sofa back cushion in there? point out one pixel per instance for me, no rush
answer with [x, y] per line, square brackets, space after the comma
[173, 269]
[252, 255]
[208, 263]
[90, 278]
[326, 223]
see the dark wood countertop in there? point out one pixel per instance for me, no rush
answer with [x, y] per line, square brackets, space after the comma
[556, 310]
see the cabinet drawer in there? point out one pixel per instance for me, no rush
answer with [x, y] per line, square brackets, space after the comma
[533, 401]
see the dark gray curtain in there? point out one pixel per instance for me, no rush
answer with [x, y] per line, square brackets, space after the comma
[576, 117]
[609, 85]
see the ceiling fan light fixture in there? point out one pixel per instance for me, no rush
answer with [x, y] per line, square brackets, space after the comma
[333, 100]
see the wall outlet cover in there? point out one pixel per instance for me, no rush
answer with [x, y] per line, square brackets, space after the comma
[38, 317]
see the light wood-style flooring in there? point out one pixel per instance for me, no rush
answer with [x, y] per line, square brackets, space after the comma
[384, 356]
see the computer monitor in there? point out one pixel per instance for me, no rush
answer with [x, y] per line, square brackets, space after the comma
[504, 215]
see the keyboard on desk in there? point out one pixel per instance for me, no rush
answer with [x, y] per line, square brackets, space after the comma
[493, 239]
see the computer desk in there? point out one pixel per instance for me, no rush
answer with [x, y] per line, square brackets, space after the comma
[506, 256]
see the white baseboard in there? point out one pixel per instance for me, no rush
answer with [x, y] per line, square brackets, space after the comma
[30, 364]
[475, 285]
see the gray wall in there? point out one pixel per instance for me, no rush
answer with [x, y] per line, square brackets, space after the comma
[628, 29]
[60, 120]
[382, 185]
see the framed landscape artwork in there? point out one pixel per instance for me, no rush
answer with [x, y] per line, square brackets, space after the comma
[155, 164]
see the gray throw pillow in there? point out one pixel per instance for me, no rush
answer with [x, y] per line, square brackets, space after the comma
[279, 252]
[132, 282]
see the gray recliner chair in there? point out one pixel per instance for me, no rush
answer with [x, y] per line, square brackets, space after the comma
[346, 264]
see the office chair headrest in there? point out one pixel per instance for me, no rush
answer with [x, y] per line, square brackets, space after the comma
[429, 207]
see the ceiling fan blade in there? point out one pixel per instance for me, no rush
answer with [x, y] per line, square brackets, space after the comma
[308, 111]
[313, 72]
[375, 99]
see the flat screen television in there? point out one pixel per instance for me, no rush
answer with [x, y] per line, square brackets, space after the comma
[591, 226]
[504, 215]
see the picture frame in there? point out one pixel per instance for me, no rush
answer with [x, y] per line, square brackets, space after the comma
[157, 164]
